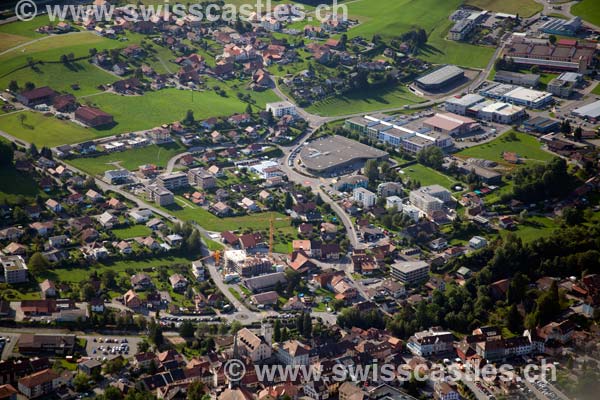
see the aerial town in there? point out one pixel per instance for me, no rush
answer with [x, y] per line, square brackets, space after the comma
[410, 186]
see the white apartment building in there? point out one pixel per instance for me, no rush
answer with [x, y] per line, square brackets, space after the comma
[364, 197]
[282, 108]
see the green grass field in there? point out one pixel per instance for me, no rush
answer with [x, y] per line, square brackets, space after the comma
[132, 231]
[428, 176]
[76, 275]
[365, 101]
[128, 159]
[596, 89]
[589, 10]
[525, 146]
[525, 8]
[14, 184]
[390, 18]
[169, 105]
[45, 131]
[60, 77]
[533, 228]
[187, 211]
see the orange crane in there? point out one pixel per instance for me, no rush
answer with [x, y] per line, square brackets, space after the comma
[272, 230]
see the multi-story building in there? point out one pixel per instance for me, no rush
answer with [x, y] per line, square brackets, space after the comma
[39, 384]
[365, 197]
[253, 346]
[160, 195]
[292, 353]
[282, 108]
[430, 198]
[15, 269]
[410, 272]
[201, 178]
[430, 342]
[172, 181]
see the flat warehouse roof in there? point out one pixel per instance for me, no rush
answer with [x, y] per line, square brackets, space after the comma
[333, 151]
[441, 75]
[591, 110]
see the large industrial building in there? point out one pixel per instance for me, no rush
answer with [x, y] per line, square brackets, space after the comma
[440, 78]
[399, 132]
[332, 154]
[565, 55]
[516, 78]
[477, 106]
[590, 111]
[452, 124]
[518, 95]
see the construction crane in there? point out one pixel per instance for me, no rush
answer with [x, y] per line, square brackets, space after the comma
[272, 231]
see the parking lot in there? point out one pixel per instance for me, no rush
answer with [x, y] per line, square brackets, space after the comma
[105, 348]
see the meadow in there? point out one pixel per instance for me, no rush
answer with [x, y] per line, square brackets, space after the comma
[15, 185]
[187, 211]
[135, 113]
[365, 101]
[525, 146]
[45, 131]
[128, 159]
[428, 176]
[589, 10]
[525, 8]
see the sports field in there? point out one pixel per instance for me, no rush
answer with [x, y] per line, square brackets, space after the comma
[589, 10]
[44, 131]
[129, 159]
[526, 146]
[365, 101]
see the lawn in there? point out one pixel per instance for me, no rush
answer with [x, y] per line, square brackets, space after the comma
[77, 275]
[168, 105]
[365, 101]
[45, 131]
[131, 232]
[525, 146]
[525, 8]
[60, 77]
[14, 184]
[428, 176]
[129, 159]
[589, 10]
[533, 228]
[284, 232]
[391, 18]
[596, 89]
[26, 28]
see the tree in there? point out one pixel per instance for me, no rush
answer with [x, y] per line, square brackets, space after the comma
[6, 153]
[535, 69]
[189, 118]
[289, 201]
[277, 331]
[195, 391]
[565, 127]
[371, 170]
[431, 156]
[307, 328]
[513, 319]
[578, 133]
[111, 393]
[194, 242]
[13, 86]
[80, 382]
[29, 85]
[249, 110]
[187, 329]
[552, 39]
[37, 264]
